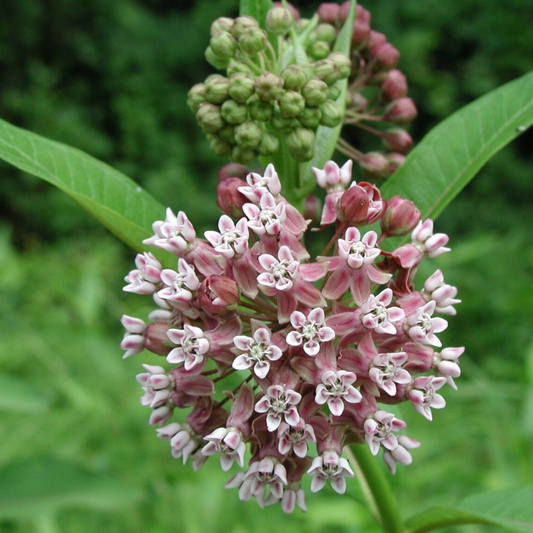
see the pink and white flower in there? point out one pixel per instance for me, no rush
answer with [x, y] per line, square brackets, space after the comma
[335, 389]
[329, 466]
[268, 218]
[232, 239]
[280, 404]
[264, 481]
[421, 327]
[229, 443]
[192, 346]
[400, 454]
[379, 431]
[147, 277]
[279, 273]
[423, 395]
[175, 234]
[157, 384]
[376, 315]
[179, 286]
[295, 438]
[386, 371]
[310, 330]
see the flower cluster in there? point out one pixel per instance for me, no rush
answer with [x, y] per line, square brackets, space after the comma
[282, 359]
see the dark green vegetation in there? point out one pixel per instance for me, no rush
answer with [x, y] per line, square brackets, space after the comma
[111, 77]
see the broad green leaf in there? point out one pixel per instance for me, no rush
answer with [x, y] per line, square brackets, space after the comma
[510, 509]
[43, 486]
[256, 9]
[117, 202]
[18, 396]
[326, 138]
[452, 153]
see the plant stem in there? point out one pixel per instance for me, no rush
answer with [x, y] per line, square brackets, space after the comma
[376, 489]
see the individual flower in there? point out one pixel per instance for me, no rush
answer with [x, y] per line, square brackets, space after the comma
[295, 438]
[133, 341]
[441, 293]
[229, 443]
[386, 371]
[191, 346]
[423, 395]
[179, 286]
[157, 385]
[264, 481]
[335, 389]
[400, 454]
[379, 431]
[280, 404]
[376, 315]
[267, 218]
[175, 234]
[147, 277]
[421, 326]
[329, 466]
[310, 330]
[232, 239]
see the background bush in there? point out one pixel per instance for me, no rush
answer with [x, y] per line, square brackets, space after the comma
[111, 77]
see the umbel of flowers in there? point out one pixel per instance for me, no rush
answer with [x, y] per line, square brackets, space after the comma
[280, 359]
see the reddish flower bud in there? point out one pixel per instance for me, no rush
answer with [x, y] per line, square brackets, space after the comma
[233, 170]
[353, 205]
[361, 32]
[156, 340]
[394, 85]
[374, 165]
[375, 40]
[400, 111]
[329, 13]
[218, 294]
[312, 209]
[401, 216]
[397, 140]
[395, 162]
[386, 56]
[229, 199]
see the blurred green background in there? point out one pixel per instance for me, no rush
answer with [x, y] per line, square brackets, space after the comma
[110, 77]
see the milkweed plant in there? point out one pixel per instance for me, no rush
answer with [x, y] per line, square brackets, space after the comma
[288, 332]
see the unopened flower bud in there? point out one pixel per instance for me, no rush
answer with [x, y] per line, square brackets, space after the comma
[395, 162]
[326, 70]
[220, 25]
[281, 123]
[361, 32]
[248, 134]
[233, 170]
[268, 86]
[325, 32]
[269, 144]
[374, 165]
[237, 67]
[241, 87]
[397, 140]
[218, 294]
[291, 104]
[331, 114]
[401, 217]
[310, 117]
[312, 209]
[241, 24]
[209, 117]
[342, 62]
[315, 92]
[318, 50]
[219, 63]
[252, 41]
[328, 12]
[294, 77]
[223, 45]
[357, 101]
[227, 133]
[386, 56]
[353, 205]
[394, 85]
[259, 110]
[156, 340]
[375, 40]
[334, 91]
[401, 111]
[216, 90]
[219, 146]
[279, 21]
[301, 143]
[294, 12]
[246, 156]
[229, 199]
[233, 112]
[196, 96]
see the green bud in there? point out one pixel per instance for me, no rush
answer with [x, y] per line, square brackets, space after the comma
[241, 87]
[248, 135]
[218, 62]
[196, 96]
[241, 24]
[325, 32]
[343, 63]
[244, 156]
[224, 45]
[279, 21]
[269, 144]
[227, 133]
[294, 77]
[221, 24]
[233, 112]
[219, 146]
[268, 86]
[318, 50]
[259, 111]
[253, 41]
[326, 70]
[291, 104]
[331, 114]
[301, 144]
[334, 91]
[310, 117]
[281, 123]
[237, 67]
[216, 90]
[315, 92]
[209, 117]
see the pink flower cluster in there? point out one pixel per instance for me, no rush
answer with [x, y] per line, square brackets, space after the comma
[288, 357]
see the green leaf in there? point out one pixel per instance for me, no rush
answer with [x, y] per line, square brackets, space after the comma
[256, 9]
[44, 486]
[18, 396]
[452, 153]
[116, 201]
[326, 138]
[509, 509]
[296, 53]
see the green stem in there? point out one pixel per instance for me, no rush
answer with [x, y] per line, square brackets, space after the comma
[376, 489]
